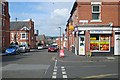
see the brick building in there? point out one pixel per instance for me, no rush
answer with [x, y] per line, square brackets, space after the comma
[4, 25]
[23, 33]
[96, 27]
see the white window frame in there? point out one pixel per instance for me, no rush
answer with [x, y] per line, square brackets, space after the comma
[21, 37]
[96, 4]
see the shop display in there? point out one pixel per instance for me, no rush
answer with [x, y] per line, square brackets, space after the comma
[101, 44]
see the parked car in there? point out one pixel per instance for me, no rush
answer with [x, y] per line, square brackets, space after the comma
[12, 49]
[24, 48]
[40, 47]
[53, 48]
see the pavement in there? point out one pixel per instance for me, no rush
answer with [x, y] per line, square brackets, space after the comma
[71, 57]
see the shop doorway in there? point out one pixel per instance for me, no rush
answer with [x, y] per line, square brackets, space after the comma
[82, 45]
[117, 44]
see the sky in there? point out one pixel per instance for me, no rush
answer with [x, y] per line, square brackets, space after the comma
[47, 15]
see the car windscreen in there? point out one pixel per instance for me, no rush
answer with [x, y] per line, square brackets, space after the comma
[12, 47]
[53, 46]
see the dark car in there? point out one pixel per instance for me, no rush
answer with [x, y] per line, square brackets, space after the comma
[53, 48]
[12, 49]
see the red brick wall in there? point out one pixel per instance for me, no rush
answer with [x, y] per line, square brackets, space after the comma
[32, 39]
[6, 27]
[109, 13]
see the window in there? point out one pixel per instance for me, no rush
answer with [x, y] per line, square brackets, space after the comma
[24, 35]
[96, 12]
[100, 43]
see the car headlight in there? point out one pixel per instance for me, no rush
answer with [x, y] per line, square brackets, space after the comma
[6, 51]
[13, 50]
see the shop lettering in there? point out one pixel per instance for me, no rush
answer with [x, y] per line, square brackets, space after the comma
[97, 31]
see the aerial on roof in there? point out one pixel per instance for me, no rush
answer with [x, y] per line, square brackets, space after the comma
[19, 25]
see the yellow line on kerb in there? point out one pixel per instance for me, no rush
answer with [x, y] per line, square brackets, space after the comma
[100, 76]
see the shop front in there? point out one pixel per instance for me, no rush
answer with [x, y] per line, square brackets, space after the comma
[117, 41]
[97, 40]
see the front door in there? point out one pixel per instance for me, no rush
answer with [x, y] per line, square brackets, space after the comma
[117, 45]
[82, 45]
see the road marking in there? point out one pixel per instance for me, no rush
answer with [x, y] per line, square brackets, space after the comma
[54, 73]
[55, 63]
[64, 76]
[55, 70]
[63, 72]
[53, 76]
[100, 76]
[62, 67]
[110, 58]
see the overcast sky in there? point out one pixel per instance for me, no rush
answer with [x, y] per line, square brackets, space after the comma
[48, 16]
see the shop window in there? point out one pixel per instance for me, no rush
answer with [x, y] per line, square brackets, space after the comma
[99, 43]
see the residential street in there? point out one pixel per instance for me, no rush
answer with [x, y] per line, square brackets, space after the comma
[41, 64]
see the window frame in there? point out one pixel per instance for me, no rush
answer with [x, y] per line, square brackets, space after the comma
[100, 44]
[26, 35]
[96, 12]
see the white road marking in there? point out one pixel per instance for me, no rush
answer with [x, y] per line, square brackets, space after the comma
[63, 72]
[54, 73]
[53, 76]
[100, 76]
[64, 76]
[62, 67]
[55, 70]
[55, 63]
[55, 67]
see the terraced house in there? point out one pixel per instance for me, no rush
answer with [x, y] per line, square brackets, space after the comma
[22, 32]
[4, 25]
[96, 27]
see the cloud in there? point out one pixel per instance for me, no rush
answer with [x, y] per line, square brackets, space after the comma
[60, 12]
[47, 16]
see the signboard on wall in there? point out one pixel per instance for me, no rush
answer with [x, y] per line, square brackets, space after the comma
[100, 32]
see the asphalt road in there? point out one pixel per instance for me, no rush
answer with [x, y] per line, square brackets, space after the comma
[41, 64]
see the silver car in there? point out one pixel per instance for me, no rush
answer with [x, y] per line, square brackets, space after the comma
[24, 48]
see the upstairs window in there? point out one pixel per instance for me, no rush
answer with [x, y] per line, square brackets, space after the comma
[24, 35]
[96, 12]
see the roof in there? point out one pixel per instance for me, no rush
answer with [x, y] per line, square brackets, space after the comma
[18, 25]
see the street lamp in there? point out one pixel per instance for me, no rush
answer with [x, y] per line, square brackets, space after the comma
[60, 37]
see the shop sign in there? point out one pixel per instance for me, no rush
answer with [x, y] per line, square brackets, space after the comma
[101, 32]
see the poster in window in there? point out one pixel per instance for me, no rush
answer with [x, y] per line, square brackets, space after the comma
[104, 46]
[94, 45]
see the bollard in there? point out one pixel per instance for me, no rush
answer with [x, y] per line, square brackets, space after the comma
[90, 53]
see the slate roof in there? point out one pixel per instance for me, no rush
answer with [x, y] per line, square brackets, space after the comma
[18, 25]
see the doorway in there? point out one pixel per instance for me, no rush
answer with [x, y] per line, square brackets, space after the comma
[117, 44]
[82, 45]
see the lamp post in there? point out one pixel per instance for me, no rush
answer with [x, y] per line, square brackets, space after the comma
[60, 37]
